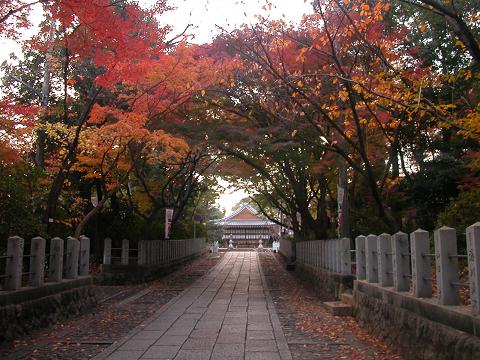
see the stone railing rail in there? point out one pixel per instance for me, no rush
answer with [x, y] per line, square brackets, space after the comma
[67, 259]
[154, 252]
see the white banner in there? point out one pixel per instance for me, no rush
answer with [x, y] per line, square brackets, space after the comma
[168, 222]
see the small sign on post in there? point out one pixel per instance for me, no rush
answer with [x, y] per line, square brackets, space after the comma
[196, 218]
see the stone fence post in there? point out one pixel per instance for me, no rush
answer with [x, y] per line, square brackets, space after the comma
[125, 251]
[336, 255]
[163, 256]
[156, 252]
[141, 253]
[346, 260]
[360, 257]
[84, 256]
[331, 255]
[37, 261]
[297, 251]
[55, 268]
[473, 253]
[446, 263]
[107, 251]
[303, 251]
[401, 264]
[385, 271]
[323, 255]
[371, 258]
[13, 267]
[310, 253]
[328, 245]
[421, 264]
[323, 249]
[73, 248]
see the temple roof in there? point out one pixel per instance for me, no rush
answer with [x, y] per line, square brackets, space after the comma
[244, 216]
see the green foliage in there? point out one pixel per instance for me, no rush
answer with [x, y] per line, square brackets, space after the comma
[430, 190]
[461, 212]
[431, 39]
[17, 203]
[214, 232]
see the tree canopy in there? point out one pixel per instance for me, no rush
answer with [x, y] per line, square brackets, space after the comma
[107, 118]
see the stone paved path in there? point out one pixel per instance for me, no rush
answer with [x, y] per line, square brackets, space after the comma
[120, 309]
[227, 314]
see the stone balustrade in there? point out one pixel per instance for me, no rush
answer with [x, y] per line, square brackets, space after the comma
[36, 267]
[394, 261]
[333, 255]
[403, 263]
[153, 252]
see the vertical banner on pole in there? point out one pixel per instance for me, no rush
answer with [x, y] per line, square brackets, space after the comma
[168, 222]
[340, 196]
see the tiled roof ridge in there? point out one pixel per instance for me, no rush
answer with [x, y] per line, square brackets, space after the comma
[239, 210]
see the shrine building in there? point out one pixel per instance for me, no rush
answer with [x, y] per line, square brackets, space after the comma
[246, 227]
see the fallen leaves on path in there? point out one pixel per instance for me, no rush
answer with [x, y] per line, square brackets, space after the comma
[312, 332]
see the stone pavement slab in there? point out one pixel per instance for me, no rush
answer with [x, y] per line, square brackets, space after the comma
[227, 315]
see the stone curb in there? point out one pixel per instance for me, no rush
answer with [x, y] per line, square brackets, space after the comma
[282, 344]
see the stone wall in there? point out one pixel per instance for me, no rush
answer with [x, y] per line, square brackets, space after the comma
[417, 328]
[27, 309]
[119, 274]
[328, 285]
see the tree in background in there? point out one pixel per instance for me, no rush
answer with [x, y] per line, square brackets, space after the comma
[126, 122]
[350, 79]
[94, 87]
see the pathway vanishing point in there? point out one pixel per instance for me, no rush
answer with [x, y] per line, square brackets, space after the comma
[226, 315]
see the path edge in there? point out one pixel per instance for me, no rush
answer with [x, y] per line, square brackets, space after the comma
[282, 343]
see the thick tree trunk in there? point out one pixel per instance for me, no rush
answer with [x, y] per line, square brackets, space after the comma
[344, 203]
[67, 162]
[323, 223]
[52, 200]
[90, 215]
[394, 161]
[384, 211]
